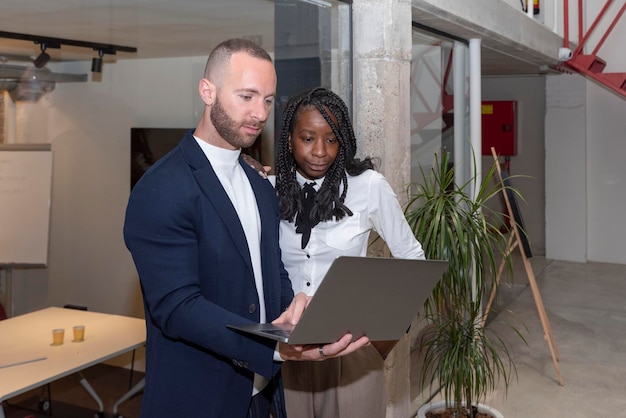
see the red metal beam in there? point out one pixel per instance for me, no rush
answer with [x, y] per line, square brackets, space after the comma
[610, 29]
[593, 26]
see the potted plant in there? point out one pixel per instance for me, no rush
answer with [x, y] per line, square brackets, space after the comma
[460, 354]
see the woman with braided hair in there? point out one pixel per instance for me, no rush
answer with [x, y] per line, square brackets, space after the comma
[329, 202]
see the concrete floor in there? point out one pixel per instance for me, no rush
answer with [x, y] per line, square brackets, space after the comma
[586, 311]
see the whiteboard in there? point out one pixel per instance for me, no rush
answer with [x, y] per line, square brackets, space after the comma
[25, 193]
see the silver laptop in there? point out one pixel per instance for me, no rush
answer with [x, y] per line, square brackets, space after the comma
[373, 296]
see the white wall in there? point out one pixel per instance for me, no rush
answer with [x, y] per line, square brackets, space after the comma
[606, 151]
[566, 174]
[606, 175]
[89, 125]
[586, 149]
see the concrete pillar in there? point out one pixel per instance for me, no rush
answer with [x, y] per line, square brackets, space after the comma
[382, 61]
[382, 44]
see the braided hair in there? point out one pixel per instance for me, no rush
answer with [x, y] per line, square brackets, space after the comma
[329, 203]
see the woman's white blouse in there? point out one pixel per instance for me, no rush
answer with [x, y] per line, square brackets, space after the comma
[374, 206]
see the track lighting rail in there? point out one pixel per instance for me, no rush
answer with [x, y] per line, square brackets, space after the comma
[51, 42]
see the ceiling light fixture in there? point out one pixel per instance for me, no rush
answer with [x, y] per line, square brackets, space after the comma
[96, 62]
[38, 80]
[33, 84]
[30, 83]
[43, 58]
[49, 42]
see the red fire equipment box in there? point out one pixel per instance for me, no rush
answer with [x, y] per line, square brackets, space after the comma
[499, 127]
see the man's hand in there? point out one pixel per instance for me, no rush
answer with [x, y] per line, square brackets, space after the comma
[293, 313]
[321, 352]
[313, 352]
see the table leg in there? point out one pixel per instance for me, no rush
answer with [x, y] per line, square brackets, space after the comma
[92, 392]
[132, 392]
[8, 284]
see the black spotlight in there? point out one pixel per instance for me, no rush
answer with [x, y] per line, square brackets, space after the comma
[43, 58]
[96, 62]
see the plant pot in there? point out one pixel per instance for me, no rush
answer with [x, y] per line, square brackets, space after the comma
[440, 405]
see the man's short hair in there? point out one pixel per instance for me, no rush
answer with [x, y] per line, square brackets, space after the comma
[221, 54]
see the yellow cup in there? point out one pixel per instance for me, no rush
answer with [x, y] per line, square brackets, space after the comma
[79, 333]
[57, 336]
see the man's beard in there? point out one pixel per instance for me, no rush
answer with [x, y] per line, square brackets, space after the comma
[228, 128]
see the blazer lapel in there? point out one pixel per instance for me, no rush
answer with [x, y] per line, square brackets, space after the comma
[215, 193]
[268, 206]
[263, 200]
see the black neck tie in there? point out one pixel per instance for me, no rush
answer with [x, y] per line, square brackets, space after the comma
[305, 221]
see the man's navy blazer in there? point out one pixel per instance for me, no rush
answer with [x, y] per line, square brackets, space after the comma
[196, 277]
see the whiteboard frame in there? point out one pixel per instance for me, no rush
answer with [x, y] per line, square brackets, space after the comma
[32, 147]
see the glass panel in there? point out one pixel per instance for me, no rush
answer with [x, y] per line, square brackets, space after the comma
[431, 100]
[312, 47]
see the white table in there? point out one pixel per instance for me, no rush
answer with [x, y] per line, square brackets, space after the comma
[28, 360]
